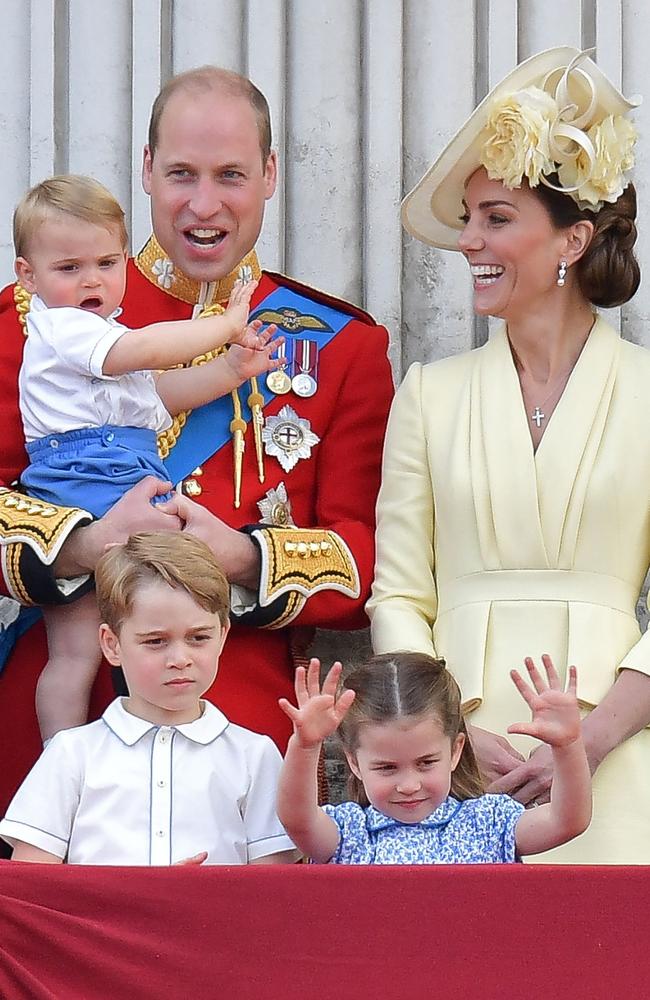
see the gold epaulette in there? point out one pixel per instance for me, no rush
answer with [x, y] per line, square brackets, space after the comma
[42, 526]
[300, 562]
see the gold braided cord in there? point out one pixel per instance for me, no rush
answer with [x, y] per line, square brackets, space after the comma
[167, 439]
[22, 299]
[13, 571]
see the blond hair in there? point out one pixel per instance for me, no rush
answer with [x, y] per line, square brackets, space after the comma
[213, 79]
[179, 560]
[406, 685]
[68, 194]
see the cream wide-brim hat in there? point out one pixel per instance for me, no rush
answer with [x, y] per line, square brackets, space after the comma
[431, 211]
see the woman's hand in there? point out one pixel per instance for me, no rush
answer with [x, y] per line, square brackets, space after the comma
[495, 755]
[319, 711]
[530, 783]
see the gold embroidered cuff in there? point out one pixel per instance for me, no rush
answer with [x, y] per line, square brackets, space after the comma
[302, 562]
[41, 526]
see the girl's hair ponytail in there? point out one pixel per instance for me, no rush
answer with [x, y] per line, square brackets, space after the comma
[408, 685]
[466, 780]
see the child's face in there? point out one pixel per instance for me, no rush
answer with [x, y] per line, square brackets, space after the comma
[75, 263]
[406, 766]
[169, 650]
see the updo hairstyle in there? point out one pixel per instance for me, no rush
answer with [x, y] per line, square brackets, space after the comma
[608, 272]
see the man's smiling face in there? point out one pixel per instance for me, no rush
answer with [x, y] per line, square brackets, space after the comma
[208, 182]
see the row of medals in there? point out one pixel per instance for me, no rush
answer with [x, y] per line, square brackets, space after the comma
[280, 382]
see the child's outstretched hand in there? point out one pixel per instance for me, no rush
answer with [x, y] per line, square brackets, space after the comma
[242, 333]
[319, 711]
[248, 362]
[196, 859]
[556, 716]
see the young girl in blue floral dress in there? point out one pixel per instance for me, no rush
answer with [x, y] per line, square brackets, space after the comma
[416, 788]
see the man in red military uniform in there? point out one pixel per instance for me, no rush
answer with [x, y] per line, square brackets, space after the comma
[283, 475]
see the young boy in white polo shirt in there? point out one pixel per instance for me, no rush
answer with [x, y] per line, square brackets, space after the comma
[163, 777]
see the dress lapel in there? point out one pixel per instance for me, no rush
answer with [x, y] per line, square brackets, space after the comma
[529, 506]
[567, 452]
[503, 463]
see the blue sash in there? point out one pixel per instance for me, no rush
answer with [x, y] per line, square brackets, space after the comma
[208, 428]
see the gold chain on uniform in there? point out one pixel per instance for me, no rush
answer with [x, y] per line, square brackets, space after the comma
[167, 439]
[22, 298]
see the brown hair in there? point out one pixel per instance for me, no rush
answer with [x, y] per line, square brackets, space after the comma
[179, 560]
[70, 194]
[213, 79]
[608, 272]
[408, 685]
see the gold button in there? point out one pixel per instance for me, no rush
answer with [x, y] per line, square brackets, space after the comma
[191, 488]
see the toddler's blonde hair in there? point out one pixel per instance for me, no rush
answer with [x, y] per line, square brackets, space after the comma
[69, 194]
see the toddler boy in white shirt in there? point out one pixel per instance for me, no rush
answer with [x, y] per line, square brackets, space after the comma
[94, 394]
[163, 777]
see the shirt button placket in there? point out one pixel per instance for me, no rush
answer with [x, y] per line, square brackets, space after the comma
[161, 800]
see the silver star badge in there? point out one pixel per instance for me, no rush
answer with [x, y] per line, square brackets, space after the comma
[275, 507]
[288, 438]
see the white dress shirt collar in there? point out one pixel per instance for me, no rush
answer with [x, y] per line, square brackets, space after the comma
[131, 728]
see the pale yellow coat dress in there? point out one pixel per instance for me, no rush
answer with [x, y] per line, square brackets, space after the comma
[488, 552]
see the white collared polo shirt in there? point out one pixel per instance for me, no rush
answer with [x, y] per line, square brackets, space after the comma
[123, 791]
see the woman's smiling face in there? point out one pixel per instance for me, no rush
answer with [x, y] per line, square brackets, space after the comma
[512, 248]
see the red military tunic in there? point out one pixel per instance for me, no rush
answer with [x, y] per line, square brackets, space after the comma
[334, 489]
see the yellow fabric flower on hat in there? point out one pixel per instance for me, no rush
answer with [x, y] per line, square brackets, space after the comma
[517, 137]
[602, 180]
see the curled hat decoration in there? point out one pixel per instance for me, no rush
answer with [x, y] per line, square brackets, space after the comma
[555, 120]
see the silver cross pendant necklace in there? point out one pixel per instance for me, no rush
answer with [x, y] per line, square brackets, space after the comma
[538, 414]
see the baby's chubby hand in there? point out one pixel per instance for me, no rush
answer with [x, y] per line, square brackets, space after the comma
[248, 362]
[319, 712]
[241, 332]
[556, 714]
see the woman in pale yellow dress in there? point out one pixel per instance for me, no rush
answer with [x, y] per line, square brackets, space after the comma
[514, 514]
